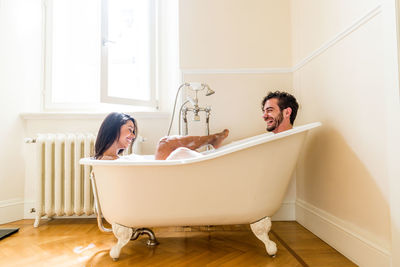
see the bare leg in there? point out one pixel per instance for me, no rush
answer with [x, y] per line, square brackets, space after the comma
[170, 143]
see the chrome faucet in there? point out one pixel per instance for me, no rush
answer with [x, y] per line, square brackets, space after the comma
[196, 117]
[196, 109]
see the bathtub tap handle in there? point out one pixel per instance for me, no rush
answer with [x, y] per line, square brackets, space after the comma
[196, 116]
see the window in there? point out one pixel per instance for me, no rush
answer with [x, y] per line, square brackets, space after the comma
[100, 52]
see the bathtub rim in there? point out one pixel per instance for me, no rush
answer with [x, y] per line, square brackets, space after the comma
[227, 149]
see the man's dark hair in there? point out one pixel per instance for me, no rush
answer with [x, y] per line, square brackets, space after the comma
[285, 100]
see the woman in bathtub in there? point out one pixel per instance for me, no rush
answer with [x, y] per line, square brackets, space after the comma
[119, 130]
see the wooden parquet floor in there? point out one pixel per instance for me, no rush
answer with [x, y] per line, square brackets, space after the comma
[78, 242]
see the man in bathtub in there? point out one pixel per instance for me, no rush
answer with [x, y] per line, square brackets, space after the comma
[279, 111]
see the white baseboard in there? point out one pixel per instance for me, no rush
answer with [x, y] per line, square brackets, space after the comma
[344, 238]
[286, 212]
[11, 210]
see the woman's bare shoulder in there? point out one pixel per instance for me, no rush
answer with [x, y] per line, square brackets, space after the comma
[107, 158]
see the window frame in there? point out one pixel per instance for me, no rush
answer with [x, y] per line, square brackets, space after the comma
[106, 102]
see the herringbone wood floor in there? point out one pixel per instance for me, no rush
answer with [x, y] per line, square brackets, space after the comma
[78, 242]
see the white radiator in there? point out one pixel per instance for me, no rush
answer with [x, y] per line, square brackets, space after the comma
[63, 185]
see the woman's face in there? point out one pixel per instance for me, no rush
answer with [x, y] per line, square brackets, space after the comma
[126, 135]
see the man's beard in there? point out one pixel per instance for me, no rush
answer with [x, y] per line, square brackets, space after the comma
[277, 122]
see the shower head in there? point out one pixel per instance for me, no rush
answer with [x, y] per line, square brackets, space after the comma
[209, 91]
[195, 86]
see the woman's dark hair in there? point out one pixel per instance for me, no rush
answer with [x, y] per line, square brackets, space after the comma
[285, 100]
[110, 130]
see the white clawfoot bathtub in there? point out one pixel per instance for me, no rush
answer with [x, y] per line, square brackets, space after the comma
[243, 182]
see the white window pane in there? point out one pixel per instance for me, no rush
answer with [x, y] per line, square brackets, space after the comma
[75, 56]
[129, 49]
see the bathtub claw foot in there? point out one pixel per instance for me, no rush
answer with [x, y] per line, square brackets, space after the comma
[261, 229]
[123, 234]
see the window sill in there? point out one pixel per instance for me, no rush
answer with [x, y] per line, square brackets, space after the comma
[90, 115]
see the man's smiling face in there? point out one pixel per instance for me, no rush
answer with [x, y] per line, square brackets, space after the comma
[272, 114]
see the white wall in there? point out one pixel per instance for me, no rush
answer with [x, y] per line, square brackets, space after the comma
[226, 34]
[343, 184]
[19, 88]
[391, 11]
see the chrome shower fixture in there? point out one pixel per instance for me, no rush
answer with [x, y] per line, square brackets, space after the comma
[209, 91]
[201, 86]
[196, 87]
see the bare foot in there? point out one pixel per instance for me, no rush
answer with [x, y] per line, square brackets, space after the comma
[219, 137]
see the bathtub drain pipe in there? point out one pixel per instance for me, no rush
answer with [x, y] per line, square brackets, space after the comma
[141, 231]
[97, 208]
